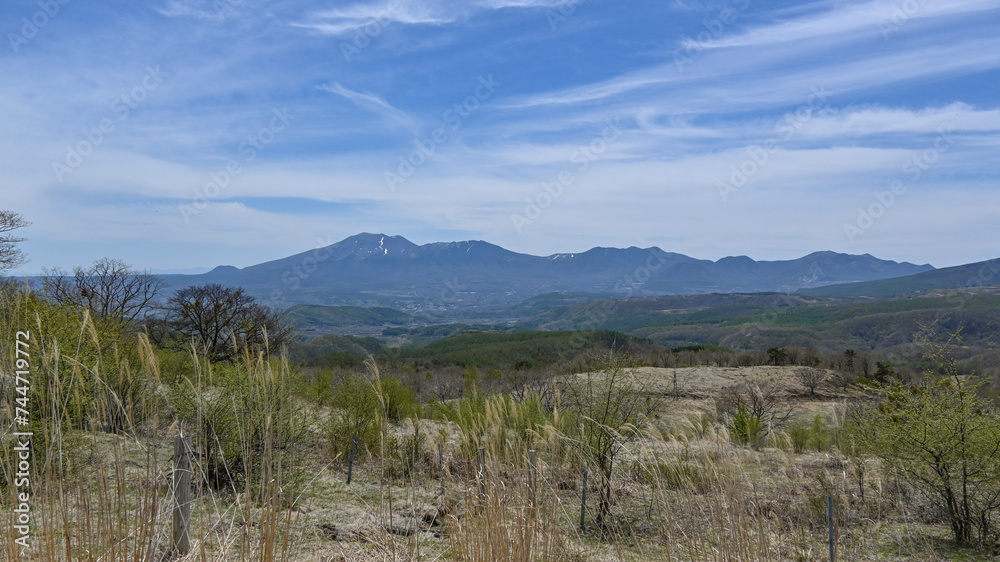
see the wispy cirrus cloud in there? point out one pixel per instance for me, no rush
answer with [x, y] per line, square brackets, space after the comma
[346, 20]
[371, 101]
[844, 22]
[702, 88]
[200, 9]
[349, 19]
[877, 121]
[498, 4]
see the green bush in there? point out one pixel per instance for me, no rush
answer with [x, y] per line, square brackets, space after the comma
[943, 437]
[746, 429]
[362, 405]
[356, 413]
[801, 436]
[246, 425]
[400, 402]
[817, 436]
[318, 387]
[820, 434]
[93, 369]
[409, 450]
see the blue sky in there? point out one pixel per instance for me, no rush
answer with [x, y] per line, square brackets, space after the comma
[179, 133]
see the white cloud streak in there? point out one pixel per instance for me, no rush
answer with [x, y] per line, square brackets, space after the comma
[371, 101]
[350, 19]
[499, 4]
[846, 22]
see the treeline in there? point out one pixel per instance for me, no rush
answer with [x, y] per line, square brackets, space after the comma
[518, 350]
[558, 352]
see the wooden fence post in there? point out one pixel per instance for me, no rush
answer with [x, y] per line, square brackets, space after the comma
[350, 459]
[182, 495]
[829, 517]
[583, 501]
[441, 466]
[533, 477]
[481, 474]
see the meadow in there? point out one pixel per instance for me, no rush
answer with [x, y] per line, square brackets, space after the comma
[695, 461]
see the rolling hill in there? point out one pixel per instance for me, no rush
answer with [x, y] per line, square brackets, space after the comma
[969, 276]
[311, 318]
[762, 320]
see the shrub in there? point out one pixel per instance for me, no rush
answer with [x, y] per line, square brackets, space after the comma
[356, 414]
[945, 439]
[246, 426]
[398, 400]
[745, 428]
[800, 435]
[612, 408]
[815, 436]
[92, 368]
[754, 408]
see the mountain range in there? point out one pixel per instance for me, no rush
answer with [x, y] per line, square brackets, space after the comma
[379, 270]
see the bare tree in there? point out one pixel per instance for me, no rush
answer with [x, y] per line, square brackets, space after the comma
[811, 356]
[10, 255]
[611, 405]
[109, 288]
[762, 398]
[754, 408]
[222, 320]
[845, 378]
[811, 378]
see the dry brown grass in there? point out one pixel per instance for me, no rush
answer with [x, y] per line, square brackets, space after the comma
[682, 491]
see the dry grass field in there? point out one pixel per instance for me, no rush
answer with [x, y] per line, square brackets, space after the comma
[682, 489]
[699, 463]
